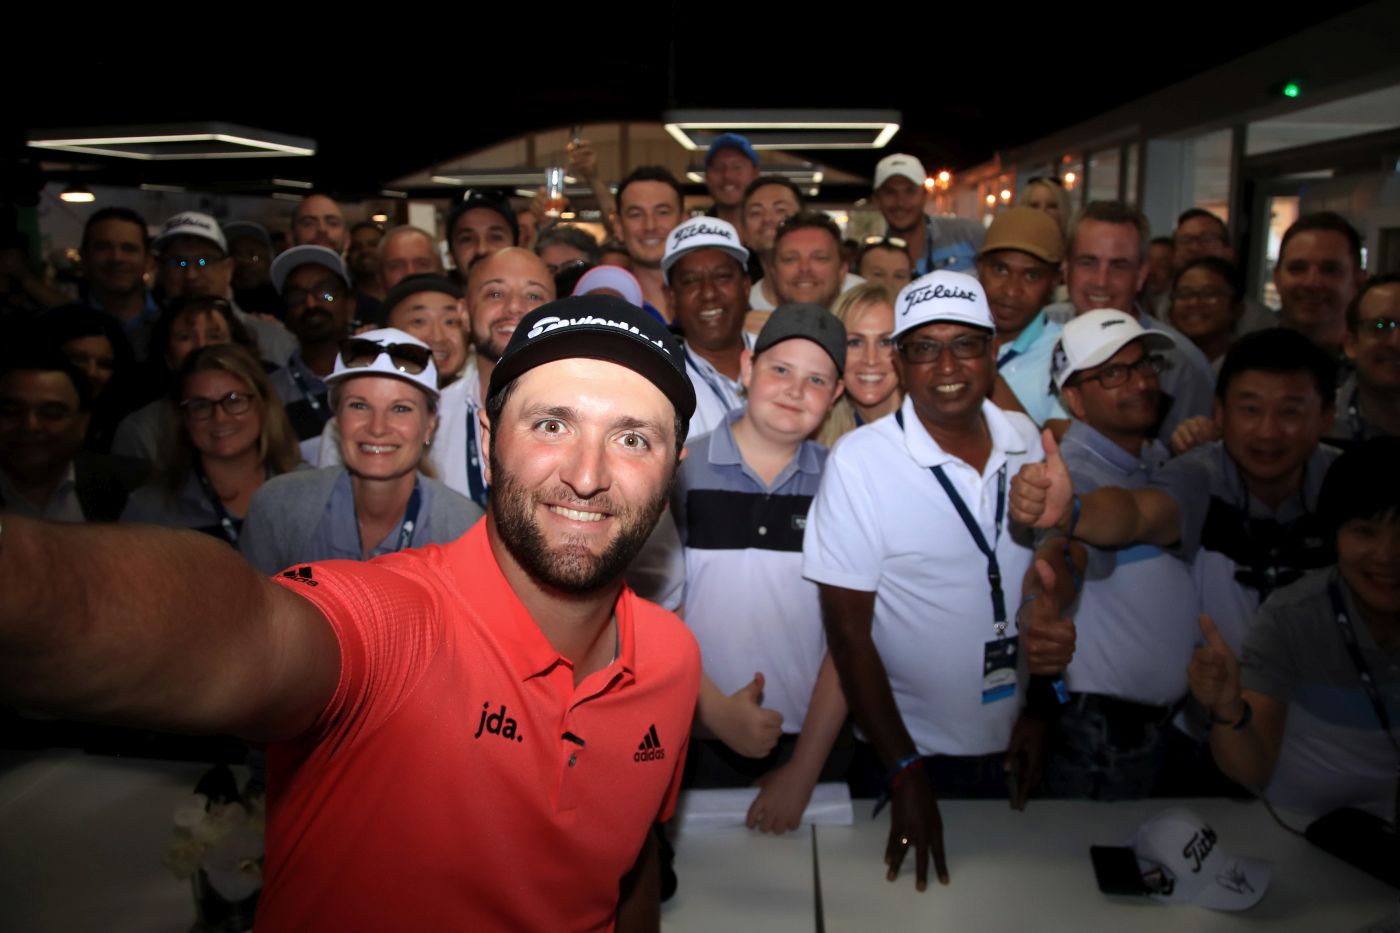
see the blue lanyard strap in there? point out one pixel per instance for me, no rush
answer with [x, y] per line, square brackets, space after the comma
[410, 522]
[707, 379]
[476, 477]
[307, 394]
[410, 519]
[975, 530]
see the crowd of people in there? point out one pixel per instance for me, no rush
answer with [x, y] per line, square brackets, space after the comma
[1043, 508]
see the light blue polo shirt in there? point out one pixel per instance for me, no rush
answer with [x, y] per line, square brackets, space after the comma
[1136, 618]
[337, 534]
[1025, 365]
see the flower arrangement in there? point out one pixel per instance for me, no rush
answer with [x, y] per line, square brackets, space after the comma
[218, 845]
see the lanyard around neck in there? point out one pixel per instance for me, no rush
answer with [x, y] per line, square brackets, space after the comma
[226, 521]
[406, 527]
[975, 530]
[476, 476]
[1368, 683]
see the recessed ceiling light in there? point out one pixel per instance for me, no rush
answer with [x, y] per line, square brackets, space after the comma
[174, 141]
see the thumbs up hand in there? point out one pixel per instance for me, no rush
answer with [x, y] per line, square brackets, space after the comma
[1214, 675]
[1041, 493]
[748, 728]
[1047, 636]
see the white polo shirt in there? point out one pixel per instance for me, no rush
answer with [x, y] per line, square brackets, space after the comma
[882, 523]
[716, 395]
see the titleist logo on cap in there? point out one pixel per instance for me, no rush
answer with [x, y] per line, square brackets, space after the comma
[929, 292]
[686, 232]
[175, 222]
[546, 324]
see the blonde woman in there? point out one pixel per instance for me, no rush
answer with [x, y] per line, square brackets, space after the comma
[872, 385]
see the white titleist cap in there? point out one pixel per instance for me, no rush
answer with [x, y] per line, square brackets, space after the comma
[942, 297]
[1191, 867]
[702, 233]
[191, 223]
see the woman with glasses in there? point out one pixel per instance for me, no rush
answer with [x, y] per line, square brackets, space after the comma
[383, 395]
[188, 323]
[232, 437]
[872, 385]
[1206, 306]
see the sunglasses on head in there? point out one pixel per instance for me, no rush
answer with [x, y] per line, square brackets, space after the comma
[357, 353]
[894, 241]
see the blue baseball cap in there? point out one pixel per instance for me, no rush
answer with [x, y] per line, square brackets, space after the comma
[731, 141]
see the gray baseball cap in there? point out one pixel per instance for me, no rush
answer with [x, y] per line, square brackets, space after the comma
[809, 321]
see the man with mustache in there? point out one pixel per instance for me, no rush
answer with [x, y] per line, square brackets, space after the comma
[319, 306]
[1135, 618]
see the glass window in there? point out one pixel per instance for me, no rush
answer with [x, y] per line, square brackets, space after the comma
[1103, 175]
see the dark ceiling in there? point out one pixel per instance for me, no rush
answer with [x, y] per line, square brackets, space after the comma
[387, 99]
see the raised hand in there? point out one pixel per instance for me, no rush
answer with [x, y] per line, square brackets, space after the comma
[747, 727]
[1047, 638]
[1041, 493]
[1214, 674]
[1193, 432]
[583, 160]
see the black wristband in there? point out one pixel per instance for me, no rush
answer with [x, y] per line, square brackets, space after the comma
[1042, 702]
[1240, 723]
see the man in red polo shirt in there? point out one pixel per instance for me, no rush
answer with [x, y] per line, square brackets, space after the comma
[473, 736]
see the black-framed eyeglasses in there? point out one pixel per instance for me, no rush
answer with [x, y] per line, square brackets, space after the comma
[966, 347]
[202, 409]
[1111, 377]
[328, 292]
[896, 242]
[409, 358]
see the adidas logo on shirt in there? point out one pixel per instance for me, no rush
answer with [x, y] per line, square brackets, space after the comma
[300, 575]
[649, 749]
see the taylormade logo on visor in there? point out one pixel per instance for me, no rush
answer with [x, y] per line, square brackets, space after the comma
[546, 324]
[929, 292]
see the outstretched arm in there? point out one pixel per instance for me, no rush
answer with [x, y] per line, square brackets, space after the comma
[165, 629]
[1043, 497]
